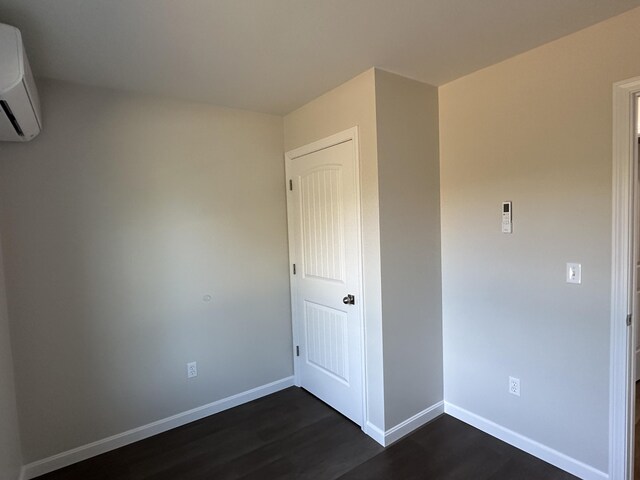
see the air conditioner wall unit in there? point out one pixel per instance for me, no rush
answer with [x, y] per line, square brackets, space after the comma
[20, 119]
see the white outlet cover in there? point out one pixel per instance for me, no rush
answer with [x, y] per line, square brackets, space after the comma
[192, 369]
[514, 386]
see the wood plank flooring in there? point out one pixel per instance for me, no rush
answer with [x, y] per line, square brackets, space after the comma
[292, 435]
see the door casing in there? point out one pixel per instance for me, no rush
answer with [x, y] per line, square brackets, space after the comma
[622, 398]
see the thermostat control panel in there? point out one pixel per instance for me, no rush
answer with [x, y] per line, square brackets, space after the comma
[507, 224]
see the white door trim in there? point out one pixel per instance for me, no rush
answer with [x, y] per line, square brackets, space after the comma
[336, 139]
[621, 368]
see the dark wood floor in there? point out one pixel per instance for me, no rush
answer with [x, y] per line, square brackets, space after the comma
[292, 435]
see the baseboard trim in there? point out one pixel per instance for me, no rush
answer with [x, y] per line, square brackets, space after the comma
[386, 438]
[549, 455]
[374, 432]
[84, 452]
[410, 424]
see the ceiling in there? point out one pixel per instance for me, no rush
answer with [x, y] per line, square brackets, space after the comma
[275, 55]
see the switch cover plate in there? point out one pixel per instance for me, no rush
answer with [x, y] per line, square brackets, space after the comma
[574, 273]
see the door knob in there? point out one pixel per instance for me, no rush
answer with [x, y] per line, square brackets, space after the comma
[349, 300]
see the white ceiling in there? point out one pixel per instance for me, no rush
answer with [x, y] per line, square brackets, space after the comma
[275, 55]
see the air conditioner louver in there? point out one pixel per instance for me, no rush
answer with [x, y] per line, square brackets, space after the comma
[11, 117]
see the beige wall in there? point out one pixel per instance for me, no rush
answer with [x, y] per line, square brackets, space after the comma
[536, 130]
[409, 183]
[10, 453]
[117, 220]
[351, 104]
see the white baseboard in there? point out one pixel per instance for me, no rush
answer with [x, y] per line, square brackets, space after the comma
[549, 455]
[410, 424]
[394, 434]
[374, 432]
[84, 452]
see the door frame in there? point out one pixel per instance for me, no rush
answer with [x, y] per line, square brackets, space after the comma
[621, 400]
[324, 143]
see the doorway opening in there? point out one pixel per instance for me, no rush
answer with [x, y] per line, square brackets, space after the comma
[635, 385]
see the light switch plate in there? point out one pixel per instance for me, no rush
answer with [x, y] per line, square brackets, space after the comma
[574, 273]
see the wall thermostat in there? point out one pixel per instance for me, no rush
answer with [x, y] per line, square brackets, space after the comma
[507, 225]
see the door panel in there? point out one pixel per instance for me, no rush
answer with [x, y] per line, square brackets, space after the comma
[322, 227]
[324, 243]
[327, 340]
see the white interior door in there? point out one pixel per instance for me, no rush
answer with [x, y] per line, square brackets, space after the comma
[324, 246]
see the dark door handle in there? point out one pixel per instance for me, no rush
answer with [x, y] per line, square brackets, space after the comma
[349, 300]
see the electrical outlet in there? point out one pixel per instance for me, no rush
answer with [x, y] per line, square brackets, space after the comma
[514, 386]
[192, 369]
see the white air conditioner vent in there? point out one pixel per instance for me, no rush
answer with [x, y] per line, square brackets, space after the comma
[19, 104]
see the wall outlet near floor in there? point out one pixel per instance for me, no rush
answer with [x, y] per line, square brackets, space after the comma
[514, 386]
[192, 369]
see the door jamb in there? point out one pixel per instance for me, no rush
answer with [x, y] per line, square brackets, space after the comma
[621, 398]
[336, 139]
